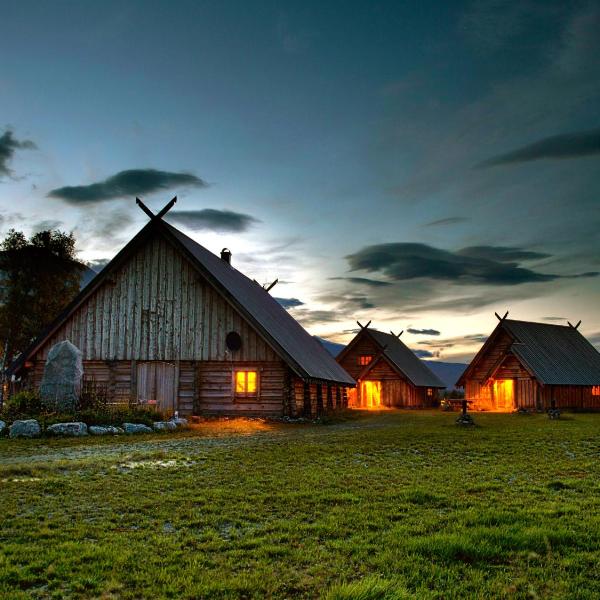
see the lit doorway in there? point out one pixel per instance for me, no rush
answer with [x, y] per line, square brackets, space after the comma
[504, 394]
[370, 394]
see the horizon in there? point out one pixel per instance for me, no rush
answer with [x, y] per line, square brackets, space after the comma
[421, 166]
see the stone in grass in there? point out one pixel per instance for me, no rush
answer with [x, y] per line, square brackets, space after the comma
[76, 429]
[28, 428]
[136, 428]
[2, 426]
[179, 421]
[465, 420]
[104, 430]
[164, 426]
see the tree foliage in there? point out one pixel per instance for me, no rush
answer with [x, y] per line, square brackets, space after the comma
[40, 276]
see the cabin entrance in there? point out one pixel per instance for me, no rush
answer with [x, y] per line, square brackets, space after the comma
[504, 394]
[370, 394]
[156, 385]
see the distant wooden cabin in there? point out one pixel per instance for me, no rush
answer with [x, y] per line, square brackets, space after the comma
[388, 373]
[525, 365]
[168, 323]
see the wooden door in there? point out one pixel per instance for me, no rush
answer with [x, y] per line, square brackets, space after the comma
[156, 385]
[504, 394]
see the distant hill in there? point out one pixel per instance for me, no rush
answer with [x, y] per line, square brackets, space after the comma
[447, 372]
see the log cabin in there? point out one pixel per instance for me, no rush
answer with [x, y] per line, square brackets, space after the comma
[388, 373]
[533, 366]
[170, 324]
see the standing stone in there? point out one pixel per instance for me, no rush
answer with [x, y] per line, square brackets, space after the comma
[61, 383]
[28, 428]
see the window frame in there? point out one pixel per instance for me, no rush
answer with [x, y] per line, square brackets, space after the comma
[245, 395]
[365, 359]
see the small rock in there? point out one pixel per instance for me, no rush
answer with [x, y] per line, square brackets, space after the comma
[554, 413]
[28, 428]
[164, 426]
[76, 429]
[136, 428]
[104, 430]
[2, 426]
[179, 421]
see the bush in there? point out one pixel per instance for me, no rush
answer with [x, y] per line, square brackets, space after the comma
[23, 405]
[93, 410]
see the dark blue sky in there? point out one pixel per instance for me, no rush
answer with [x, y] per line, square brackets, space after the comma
[447, 153]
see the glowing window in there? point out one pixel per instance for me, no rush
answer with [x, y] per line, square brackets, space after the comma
[596, 390]
[364, 359]
[245, 383]
[430, 392]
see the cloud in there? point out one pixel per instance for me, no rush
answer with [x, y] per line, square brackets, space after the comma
[423, 331]
[362, 281]
[492, 265]
[98, 264]
[501, 253]
[134, 182]
[46, 225]
[8, 146]
[307, 317]
[212, 219]
[554, 319]
[446, 221]
[425, 354]
[569, 145]
[289, 302]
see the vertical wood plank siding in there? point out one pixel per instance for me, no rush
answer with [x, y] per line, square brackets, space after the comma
[157, 307]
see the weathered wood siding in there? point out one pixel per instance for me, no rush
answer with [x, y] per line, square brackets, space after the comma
[157, 307]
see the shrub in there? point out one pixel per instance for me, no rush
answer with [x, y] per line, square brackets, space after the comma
[23, 405]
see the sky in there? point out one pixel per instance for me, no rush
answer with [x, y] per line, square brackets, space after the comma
[420, 165]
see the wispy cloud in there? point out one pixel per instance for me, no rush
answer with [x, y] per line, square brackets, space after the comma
[212, 219]
[423, 331]
[289, 302]
[446, 221]
[569, 145]
[8, 146]
[362, 281]
[133, 182]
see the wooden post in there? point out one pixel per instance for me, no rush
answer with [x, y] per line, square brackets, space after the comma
[307, 409]
[338, 398]
[464, 407]
[329, 396]
[319, 399]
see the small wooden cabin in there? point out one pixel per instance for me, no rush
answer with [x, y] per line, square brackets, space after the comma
[168, 323]
[525, 365]
[388, 373]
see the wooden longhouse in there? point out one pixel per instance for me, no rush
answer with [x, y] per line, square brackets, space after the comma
[525, 365]
[168, 323]
[388, 373]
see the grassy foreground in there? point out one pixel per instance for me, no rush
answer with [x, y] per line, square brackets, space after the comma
[387, 505]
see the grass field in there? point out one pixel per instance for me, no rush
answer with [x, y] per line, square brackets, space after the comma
[381, 505]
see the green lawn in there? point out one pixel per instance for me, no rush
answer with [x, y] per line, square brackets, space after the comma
[382, 505]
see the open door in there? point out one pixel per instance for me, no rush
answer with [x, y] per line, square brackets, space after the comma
[156, 385]
[370, 394]
[504, 394]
